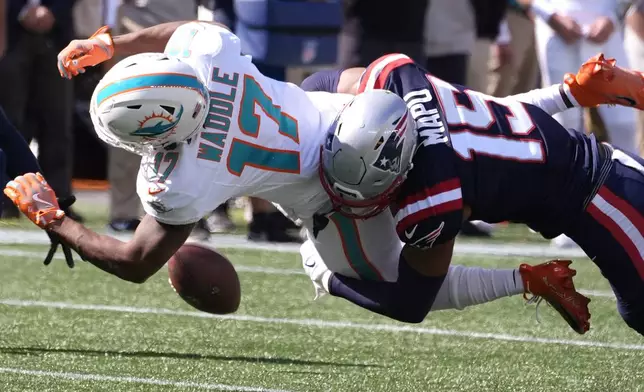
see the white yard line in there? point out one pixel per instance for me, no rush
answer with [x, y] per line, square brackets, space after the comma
[134, 380]
[256, 269]
[34, 237]
[394, 328]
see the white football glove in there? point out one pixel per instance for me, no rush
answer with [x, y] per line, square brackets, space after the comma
[315, 269]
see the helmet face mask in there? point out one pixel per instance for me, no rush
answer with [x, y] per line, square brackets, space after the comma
[147, 102]
[367, 154]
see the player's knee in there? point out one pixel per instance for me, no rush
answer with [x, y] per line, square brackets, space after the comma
[633, 316]
[412, 316]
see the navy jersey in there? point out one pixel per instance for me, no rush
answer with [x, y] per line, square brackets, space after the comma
[503, 159]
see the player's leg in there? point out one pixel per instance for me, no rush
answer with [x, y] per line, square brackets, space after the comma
[611, 232]
[15, 67]
[370, 250]
[3, 173]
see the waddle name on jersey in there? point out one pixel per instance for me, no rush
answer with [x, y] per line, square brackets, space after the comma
[220, 110]
[428, 119]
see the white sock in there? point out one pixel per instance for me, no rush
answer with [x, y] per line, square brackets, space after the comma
[466, 286]
[571, 97]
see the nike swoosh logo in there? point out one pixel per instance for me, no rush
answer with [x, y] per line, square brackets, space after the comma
[410, 234]
[37, 198]
[310, 263]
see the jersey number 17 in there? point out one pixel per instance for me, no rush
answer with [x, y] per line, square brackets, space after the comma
[245, 153]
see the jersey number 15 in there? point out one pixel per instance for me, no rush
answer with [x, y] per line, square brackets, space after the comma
[482, 133]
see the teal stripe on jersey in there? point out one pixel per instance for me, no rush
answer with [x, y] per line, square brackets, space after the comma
[353, 248]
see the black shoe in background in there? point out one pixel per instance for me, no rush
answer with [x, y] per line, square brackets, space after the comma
[200, 232]
[268, 227]
[124, 225]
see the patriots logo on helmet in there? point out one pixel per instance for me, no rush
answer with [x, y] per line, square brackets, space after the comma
[162, 124]
[328, 143]
[389, 157]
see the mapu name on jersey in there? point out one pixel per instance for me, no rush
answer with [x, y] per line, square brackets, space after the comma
[425, 111]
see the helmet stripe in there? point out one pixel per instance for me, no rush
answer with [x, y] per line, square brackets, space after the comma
[148, 81]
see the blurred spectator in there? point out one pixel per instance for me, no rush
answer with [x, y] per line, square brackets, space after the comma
[488, 15]
[373, 28]
[634, 42]
[449, 36]
[518, 73]
[36, 99]
[568, 32]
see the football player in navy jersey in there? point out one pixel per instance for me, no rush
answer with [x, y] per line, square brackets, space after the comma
[16, 159]
[484, 158]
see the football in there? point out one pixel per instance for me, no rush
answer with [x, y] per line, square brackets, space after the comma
[205, 279]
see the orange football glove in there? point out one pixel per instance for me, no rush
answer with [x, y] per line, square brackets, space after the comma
[600, 81]
[85, 53]
[35, 198]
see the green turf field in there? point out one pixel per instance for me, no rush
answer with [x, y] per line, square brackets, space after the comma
[83, 330]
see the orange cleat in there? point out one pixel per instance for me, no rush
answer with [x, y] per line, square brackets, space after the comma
[600, 81]
[552, 281]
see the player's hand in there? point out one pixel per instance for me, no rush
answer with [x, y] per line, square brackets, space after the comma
[315, 269]
[38, 19]
[64, 203]
[566, 27]
[85, 53]
[504, 56]
[34, 198]
[600, 30]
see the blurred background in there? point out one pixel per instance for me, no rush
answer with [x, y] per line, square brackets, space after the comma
[498, 47]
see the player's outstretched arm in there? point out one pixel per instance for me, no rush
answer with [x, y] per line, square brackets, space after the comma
[102, 46]
[135, 261]
[421, 273]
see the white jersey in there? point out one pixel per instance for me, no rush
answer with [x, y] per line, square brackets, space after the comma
[261, 137]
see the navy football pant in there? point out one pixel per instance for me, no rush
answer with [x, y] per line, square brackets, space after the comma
[3, 175]
[611, 232]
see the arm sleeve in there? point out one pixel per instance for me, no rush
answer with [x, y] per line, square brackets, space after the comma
[552, 100]
[20, 159]
[323, 81]
[408, 299]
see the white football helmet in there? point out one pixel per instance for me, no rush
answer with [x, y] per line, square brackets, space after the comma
[367, 153]
[149, 101]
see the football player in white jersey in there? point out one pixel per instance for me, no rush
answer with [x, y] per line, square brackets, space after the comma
[211, 127]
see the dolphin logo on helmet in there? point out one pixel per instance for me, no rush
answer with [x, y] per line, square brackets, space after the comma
[159, 128]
